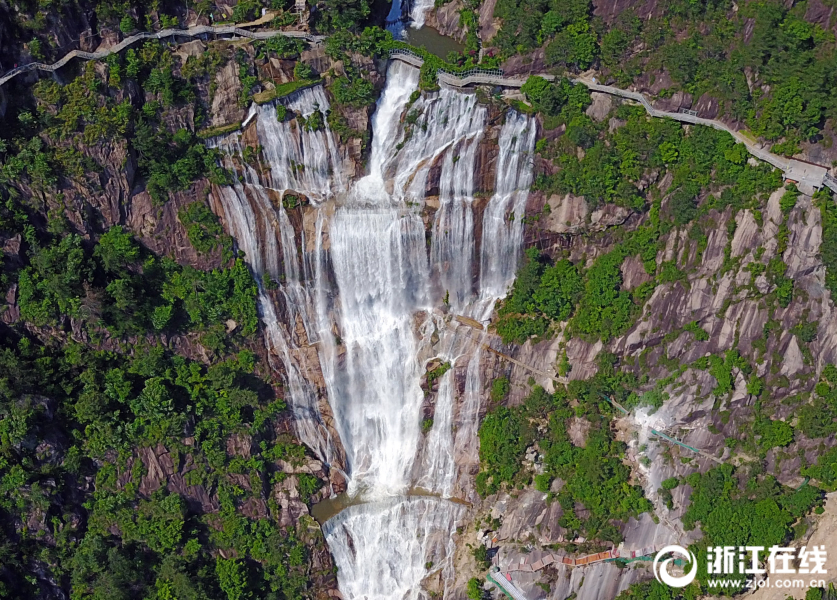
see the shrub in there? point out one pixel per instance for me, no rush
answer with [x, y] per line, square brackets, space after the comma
[504, 435]
[202, 226]
[303, 71]
[356, 92]
[499, 389]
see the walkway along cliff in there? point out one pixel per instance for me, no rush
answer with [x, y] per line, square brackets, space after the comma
[808, 175]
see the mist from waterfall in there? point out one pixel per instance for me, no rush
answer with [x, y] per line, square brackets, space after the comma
[358, 313]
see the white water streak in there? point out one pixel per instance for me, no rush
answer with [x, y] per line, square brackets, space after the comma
[381, 549]
[418, 12]
[502, 233]
[307, 162]
[363, 294]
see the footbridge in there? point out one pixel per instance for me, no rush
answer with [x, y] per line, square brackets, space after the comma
[503, 580]
[506, 585]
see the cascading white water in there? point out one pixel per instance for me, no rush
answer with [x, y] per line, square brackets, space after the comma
[452, 247]
[502, 232]
[418, 12]
[299, 159]
[367, 296]
[442, 123]
[382, 548]
[416, 17]
[379, 262]
[306, 162]
[438, 466]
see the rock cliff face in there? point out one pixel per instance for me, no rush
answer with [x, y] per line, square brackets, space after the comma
[113, 193]
[719, 291]
[445, 20]
[727, 300]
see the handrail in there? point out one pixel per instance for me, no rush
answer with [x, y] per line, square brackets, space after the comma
[446, 70]
[196, 31]
[789, 166]
[507, 587]
[469, 72]
[476, 75]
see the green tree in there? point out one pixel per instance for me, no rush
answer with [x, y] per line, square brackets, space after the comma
[127, 25]
[560, 288]
[575, 46]
[475, 591]
[232, 578]
[116, 249]
[53, 283]
[504, 435]
[303, 71]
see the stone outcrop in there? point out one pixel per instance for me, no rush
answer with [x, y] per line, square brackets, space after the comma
[159, 227]
[445, 20]
[225, 108]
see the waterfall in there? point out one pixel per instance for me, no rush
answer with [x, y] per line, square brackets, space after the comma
[442, 123]
[380, 265]
[502, 232]
[452, 247]
[383, 549]
[418, 12]
[438, 468]
[358, 312]
[466, 441]
[386, 126]
[394, 21]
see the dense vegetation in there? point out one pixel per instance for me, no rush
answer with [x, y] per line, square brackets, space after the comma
[73, 414]
[90, 382]
[760, 514]
[138, 449]
[701, 48]
[76, 411]
[70, 412]
[591, 470]
[708, 171]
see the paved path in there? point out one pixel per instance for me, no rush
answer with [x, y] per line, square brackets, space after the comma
[227, 31]
[796, 170]
[506, 585]
[814, 176]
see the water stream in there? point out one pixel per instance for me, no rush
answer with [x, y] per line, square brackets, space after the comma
[358, 314]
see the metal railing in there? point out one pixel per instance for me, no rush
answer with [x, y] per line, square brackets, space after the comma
[406, 51]
[475, 71]
[470, 72]
[197, 31]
